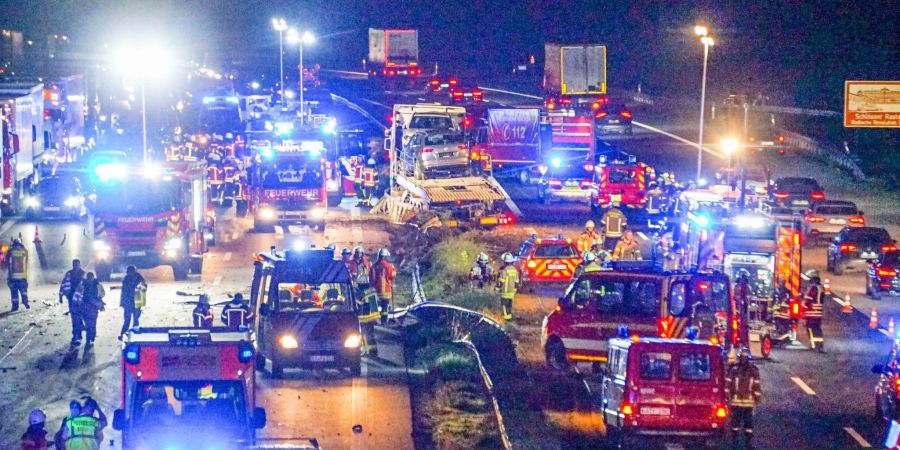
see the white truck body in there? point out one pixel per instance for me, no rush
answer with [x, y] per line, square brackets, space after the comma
[393, 46]
[575, 69]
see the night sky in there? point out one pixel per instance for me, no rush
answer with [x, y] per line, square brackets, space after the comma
[798, 52]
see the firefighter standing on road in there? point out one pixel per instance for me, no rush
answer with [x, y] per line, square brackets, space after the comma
[744, 391]
[360, 267]
[17, 274]
[382, 279]
[589, 239]
[627, 249]
[90, 299]
[507, 283]
[813, 310]
[366, 299]
[368, 182]
[71, 282]
[133, 298]
[84, 432]
[613, 222]
[202, 314]
[35, 437]
[237, 313]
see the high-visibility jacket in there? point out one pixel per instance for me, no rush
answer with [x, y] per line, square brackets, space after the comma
[18, 262]
[812, 303]
[744, 389]
[587, 240]
[584, 267]
[627, 251]
[614, 222]
[357, 173]
[367, 307]
[508, 281]
[202, 316]
[214, 174]
[360, 270]
[368, 177]
[382, 278]
[655, 201]
[83, 433]
[236, 315]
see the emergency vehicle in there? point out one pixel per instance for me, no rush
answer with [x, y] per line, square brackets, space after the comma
[149, 215]
[350, 151]
[288, 184]
[188, 388]
[622, 179]
[305, 311]
[548, 260]
[664, 388]
[568, 167]
[649, 301]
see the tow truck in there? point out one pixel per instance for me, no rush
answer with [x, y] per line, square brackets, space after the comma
[149, 215]
[620, 178]
[476, 200]
[188, 388]
[305, 311]
[288, 184]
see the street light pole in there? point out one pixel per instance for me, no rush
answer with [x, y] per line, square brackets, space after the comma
[707, 41]
[144, 119]
[302, 120]
[295, 37]
[280, 25]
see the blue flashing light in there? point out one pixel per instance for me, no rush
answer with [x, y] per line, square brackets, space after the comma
[267, 153]
[702, 220]
[691, 333]
[132, 354]
[330, 127]
[245, 352]
[231, 99]
[208, 100]
[110, 171]
[283, 128]
[623, 331]
[556, 162]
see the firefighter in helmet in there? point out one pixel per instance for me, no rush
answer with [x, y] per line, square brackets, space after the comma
[813, 310]
[381, 278]
[589, 240]
[481, 273]
[17, 273]
[507, 283]
[613, 223]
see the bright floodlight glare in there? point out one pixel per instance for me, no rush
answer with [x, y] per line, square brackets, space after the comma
[701, 30]
[295, 37]
[143, 61]
[279, 24]
[254, 84]
[730, 145]
[707, 41]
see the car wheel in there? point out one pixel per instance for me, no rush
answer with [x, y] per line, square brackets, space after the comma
[556, 355]
[524, 177]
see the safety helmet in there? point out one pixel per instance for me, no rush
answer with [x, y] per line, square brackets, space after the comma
[384, 253]
[371, 161]
[589, 224]
[482, 257]
[614, 204]
[744, 353]
[346, 252]
[813, 274]
[331, 246]
[507, 257]
[36, 417]
[17, 241]
[589, 257]
[358, 251]
[204, 299]
[743, 275]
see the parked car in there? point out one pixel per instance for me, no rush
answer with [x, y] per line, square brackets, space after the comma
[796, 192]
[56, 196]
[825, 219]
[613, 118]
[435, 150]
[854, 247]
[882, 276]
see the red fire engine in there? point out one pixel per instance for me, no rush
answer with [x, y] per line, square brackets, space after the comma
[188, 388]
[150, 215]
[621, 180]
[288, 184]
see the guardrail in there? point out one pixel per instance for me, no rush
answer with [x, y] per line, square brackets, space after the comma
[825, 152]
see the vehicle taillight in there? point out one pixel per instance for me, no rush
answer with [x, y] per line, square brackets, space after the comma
[589, 167]
[626, 114]
[627, 410]
[435, 82]
[453, 82]
[506, 219]
[814, 219]
[467, 122]
[596, 105]
[551, 106]
[897, 386]
[461, 147]
[427, 150]
[456, 93]
[565, 100]
[886, 273]
[703, 285]
[600, 114]
[817, 195]
[781, 195]
[392, 72]
[847, 248]
[859, 220]
[478, 94]
[721, 412]
[781, 138]
[475, 155]
[531, 264]
[555, 183]
[889, 248]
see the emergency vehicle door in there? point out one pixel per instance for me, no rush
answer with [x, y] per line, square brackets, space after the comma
[612, 391]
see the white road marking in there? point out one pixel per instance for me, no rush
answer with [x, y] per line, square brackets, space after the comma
[510, 92]
[27, 332]
[234, 236]
[217, 281]
[857, 437]
[227, 256]
[421, 99]
[643, 236]
[677, 138]
[803, 386]
[9, 224]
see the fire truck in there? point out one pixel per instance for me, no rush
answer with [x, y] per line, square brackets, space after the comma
[288, 184]
[305, 311]
[188, 388]
[620, 179]
[568, 167]
[149, 215]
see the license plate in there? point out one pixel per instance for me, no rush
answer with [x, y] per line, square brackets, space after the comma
[137, 253]
[837, 221]
[51, 208]
[614, 121]
[447, 155]
[800, 202]
[616, 198]
[321, 358]
[557, 266]
[871, 255]
[655, 411]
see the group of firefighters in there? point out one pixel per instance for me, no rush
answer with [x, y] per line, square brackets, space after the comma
[365, 178]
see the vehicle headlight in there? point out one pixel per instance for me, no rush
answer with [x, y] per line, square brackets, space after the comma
[288, 341]
[353, 341]
[318, 213]
[100, 245]
[173, 244]
[32, 202]
[266, 213]
[331, 185]
[72, 202]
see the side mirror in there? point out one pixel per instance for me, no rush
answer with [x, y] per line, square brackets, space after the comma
[264, 309]
[387, 143]
[878, 369]
[259, 418]
[118, 419]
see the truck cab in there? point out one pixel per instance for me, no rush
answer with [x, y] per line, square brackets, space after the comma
[188, 388]
[621, 179]
[305, 311]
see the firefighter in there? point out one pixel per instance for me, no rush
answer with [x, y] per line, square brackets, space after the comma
[742, 299]
[360, 268]
[382, 279]
[627, 249]
[89, 298]
[663, 254]
[237, 313]
[368, 313]
[656, 203]
[346, 257]
[744, 392]
[85, 432]
[614, 223]
[35, 437]
[368, 182]
[74, 411]
[133, 299]
[507, 283]
[588, 264]
[17, 274]
[357, 179]
[202, 314]
[813, 310]
[481, 273]
[589, 240]
[215, 176]
[67, 288]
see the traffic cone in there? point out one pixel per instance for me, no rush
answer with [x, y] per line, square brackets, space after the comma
[37, 235]
[826, 284]
[891, 326]
[873, 319]
[848, 307]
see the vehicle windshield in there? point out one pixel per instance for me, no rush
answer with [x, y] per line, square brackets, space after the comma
[444, 139]
[798, 184]
[433, 122]
[57, 186]
[621, 175]
[699, 296]
[555, 251]
[836, 210]
[137, 198]
[299, 172]
[615, 296]
[868, 235]
[328, 297]
[209, 404]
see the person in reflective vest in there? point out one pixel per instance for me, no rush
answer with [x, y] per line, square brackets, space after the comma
[507, 283]
[744, 391]
[813, 310]
[358, 167]
[237, 313]
[368, 313]
[360, 267]
[85, 432]
[613, 222]
[481, 273]
[588, 264]
[589, 239]
[202, 314]
[17, 274]
[382, 280]
[215, 177]
[368, 182]
[627, 249]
